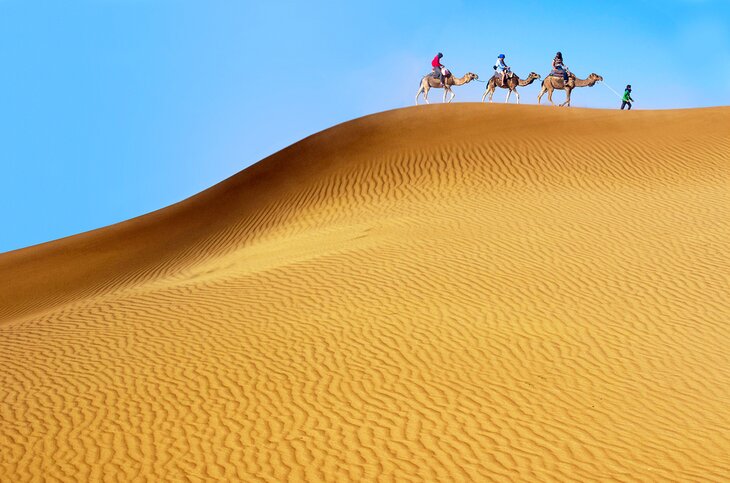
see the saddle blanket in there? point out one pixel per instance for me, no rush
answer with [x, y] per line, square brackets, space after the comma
[498, 78]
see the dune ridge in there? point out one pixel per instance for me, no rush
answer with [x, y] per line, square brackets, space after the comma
[449, 292]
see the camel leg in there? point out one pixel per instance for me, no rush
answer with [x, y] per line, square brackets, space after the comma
[486, 91]
[517, 95]
[509, 93]
[453, 94]
[491, 94]
[539, 96]
[425, 94]
[420, 89]
[567, 98]
[446, 91]
[550, 97]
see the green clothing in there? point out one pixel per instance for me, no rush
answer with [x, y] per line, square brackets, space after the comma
[627, 96]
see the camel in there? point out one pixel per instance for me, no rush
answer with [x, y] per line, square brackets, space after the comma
[428, 82]
[512, 84]
[551, 83]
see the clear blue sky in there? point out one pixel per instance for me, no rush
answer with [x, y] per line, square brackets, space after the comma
[113, 108]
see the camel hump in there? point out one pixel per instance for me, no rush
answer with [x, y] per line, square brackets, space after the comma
[557, 80]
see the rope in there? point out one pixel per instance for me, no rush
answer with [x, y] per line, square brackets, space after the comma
[617, 94]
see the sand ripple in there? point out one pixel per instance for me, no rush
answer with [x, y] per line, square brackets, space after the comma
[530, 294]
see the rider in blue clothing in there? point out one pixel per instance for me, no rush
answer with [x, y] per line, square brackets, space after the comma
[502, 68]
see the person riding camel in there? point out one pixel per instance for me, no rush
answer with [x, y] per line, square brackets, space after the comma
[559, 67]
[438, 68]
[502, 69]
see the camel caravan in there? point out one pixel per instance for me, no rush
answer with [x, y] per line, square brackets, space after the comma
[560, 78]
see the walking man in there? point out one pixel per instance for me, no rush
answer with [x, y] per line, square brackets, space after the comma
[626, 100]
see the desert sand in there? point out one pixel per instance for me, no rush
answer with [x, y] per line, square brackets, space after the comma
[450, 292]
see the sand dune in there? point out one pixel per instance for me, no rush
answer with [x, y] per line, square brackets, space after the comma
[511, 292]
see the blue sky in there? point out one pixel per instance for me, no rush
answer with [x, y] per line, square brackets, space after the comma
[114, 108]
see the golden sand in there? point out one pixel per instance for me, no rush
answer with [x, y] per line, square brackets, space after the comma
[453, 292]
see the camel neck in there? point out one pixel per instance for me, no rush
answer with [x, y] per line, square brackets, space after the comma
[584, 82]
[525, 82]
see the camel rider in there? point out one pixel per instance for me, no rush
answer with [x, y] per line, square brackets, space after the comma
[502, 69]
[559, 67]
[437, 68]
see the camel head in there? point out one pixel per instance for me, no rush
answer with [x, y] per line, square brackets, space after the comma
[595, 77]
[533, 76]
[470, 76]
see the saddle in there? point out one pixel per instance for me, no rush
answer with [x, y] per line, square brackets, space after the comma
[498, 78]
[446, 73]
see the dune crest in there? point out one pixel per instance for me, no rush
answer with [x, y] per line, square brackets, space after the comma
[532, 294]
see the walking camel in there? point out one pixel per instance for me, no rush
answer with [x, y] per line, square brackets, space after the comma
[512, 83]
[428, 82]
[551, 83]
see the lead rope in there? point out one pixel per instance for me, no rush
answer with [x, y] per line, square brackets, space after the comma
[617, 94]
